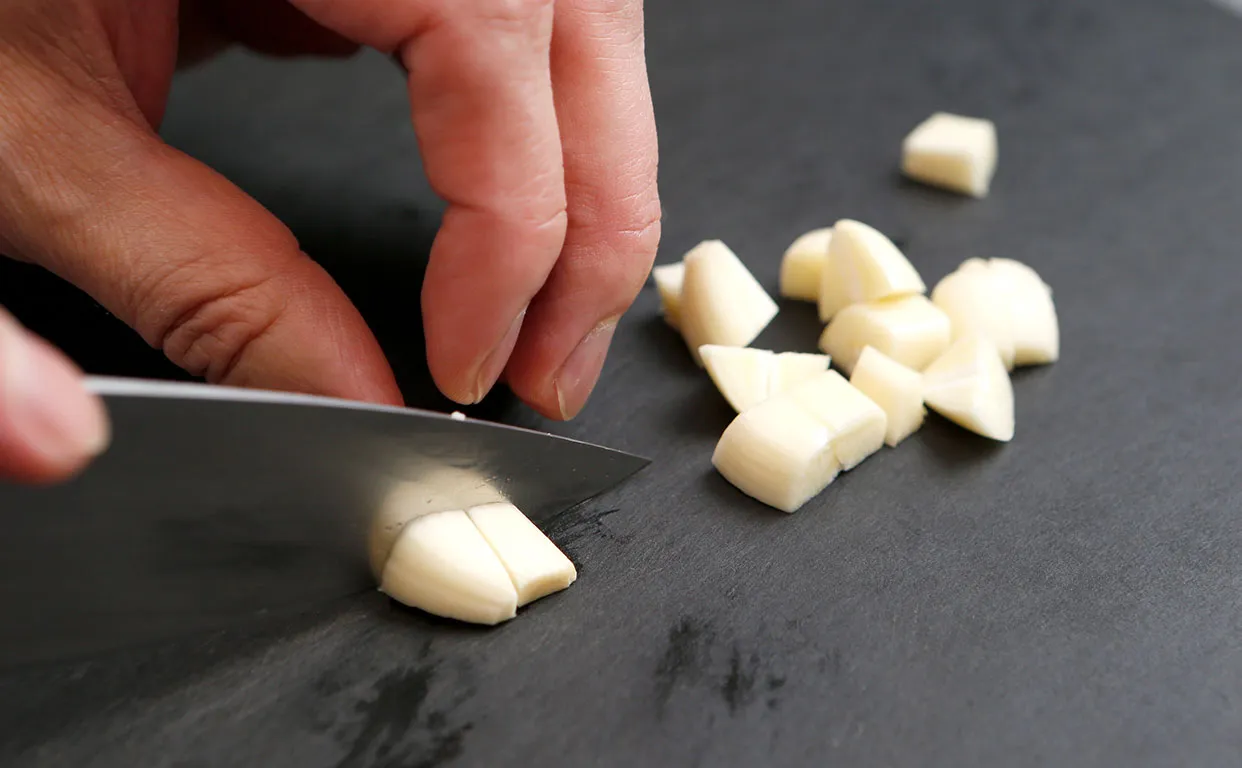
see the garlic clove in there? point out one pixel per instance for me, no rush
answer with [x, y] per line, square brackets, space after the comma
[898, 390]
[535, 565]
[952, 152]
[863, 265]
[911, 330]
[1033, 316]
[441, 564]
[975, 304]
[721, 301]
[792, 368]
[969, 385]
[857, 424]
[742, 374]
[802, 266]
[668, 279]
[776, 454]
[747, 376]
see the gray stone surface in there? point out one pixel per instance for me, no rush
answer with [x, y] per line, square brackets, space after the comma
[1069, 599]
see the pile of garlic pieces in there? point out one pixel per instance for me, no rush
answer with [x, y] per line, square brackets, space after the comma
[800, 423]
[477, 565]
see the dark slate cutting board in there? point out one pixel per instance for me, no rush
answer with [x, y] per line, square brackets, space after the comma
[1069, 599]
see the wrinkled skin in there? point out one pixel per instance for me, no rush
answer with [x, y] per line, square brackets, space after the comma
[535, 124]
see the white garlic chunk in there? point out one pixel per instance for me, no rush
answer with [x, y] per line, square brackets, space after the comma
[969, 385]
[802, 266]
[863, 265]
[897, 389]
[911, 330]
[721, 301]
[952, 152]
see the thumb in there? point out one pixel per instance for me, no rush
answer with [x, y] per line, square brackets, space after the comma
[50, 426]
[196, 266]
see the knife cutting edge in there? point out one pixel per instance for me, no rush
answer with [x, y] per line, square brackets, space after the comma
[214, 505]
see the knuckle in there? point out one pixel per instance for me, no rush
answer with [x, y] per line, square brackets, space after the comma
[618, 257]
[208, 332]
[543, 225]
[513, 11]
[628, 226]
[614, 12]
[548, 221]
[637, 238]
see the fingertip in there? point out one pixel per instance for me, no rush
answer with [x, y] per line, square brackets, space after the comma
[50, 425]
[484, 271]
[577, 378]
[470, 384]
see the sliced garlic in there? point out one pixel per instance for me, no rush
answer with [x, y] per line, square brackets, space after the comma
[535, 565]
[457, 416]
[975, 304]
[743, 375]
[747, 377]
[436, 489]
[1033, 316]
[895, 388]
[791, 446]
[1013, 270]
[775, 453]
[668, 279]
[863, 265]
[441, 564]
[952, 152]
[802, 266]
[793, 368]
[721, 301]
[856, 423]
[1005, 301]
[910, 330]
[969, 385]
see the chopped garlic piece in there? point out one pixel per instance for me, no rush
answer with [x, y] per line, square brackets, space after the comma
[863, 265]
[535, 565]
[969, 385]
[457, 416]
[721, 301]
[1033, 316]
[910, 330]
[747, 376]
[788, 448]
[743, 375]
[976, 304]
[775, 453]
[793, 368]
[857, 424]
[802, 266]
[952, 152]
[437, 488]
[895, 388]
[1006, 302]
[668, 279]
[441, 564]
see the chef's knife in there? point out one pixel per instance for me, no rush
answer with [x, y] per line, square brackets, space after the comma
[215, 505]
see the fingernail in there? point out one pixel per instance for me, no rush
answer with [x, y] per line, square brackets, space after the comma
[44, 401]
[581, 370]
[494, 365]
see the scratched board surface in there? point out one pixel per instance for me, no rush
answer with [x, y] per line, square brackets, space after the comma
[1069, 599]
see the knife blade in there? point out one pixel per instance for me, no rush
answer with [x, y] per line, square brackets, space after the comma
[217, 505]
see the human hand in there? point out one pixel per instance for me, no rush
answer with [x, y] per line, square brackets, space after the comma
[543, 146]
[50, 426]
